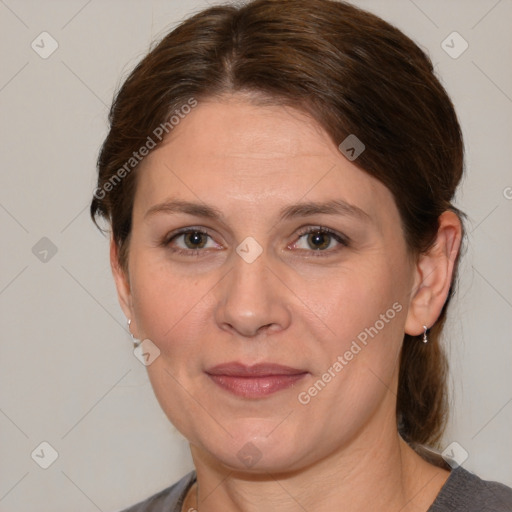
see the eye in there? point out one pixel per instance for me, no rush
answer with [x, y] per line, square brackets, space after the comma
[194, 239]
[189, 241]
[319, 239]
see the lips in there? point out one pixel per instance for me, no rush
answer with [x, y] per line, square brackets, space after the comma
[256, 381]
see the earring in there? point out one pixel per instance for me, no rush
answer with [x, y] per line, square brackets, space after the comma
[425, 339]
[135, 341]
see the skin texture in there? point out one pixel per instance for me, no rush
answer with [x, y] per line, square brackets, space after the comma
[293, 305]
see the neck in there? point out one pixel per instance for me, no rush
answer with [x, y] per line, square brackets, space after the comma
[385, 475]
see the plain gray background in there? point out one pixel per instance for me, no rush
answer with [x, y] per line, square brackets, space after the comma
[68, 376]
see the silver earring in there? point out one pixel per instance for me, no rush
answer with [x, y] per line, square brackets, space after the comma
[425, 339]
[135, 340]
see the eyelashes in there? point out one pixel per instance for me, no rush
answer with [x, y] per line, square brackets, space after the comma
[194, 240]
[316, 241]
[320, 239]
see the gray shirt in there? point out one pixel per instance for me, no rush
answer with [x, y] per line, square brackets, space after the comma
[462, 492]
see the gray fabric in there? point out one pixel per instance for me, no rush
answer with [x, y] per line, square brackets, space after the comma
[465, 492]
[168, 500]
[462, 492]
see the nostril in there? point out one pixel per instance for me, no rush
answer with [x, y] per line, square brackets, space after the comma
[250, 331]
[268, 327]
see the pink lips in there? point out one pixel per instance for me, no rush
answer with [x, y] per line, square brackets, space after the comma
[255, 381]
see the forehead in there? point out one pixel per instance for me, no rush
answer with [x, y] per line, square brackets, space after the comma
[235, 127]
[248, 156]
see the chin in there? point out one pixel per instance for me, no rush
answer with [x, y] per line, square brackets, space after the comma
[256, 449]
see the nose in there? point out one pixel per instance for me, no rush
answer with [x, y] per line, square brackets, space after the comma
[252, 300]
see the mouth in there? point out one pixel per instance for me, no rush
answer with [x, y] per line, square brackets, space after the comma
[257, 381]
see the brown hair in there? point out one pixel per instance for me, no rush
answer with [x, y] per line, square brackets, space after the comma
[351, 72]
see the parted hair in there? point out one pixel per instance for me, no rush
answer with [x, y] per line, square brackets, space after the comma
[352, 73]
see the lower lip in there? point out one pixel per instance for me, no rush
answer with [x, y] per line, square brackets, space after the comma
[256, 387]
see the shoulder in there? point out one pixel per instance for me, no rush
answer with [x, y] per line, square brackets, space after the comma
[168, 500]
[465, 492]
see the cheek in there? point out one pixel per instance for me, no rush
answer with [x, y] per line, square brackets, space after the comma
[365, 316]
[351, 301]
[163, 301]
[170, 310]
[366, 313]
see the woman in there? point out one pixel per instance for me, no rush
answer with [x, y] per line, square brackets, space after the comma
[279, 180]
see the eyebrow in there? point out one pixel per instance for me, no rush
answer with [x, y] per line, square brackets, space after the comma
[334, 207]
[188, 207]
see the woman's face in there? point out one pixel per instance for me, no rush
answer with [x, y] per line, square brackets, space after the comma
[272, 274]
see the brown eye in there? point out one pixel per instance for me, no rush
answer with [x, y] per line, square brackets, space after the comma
[319, 241]
[190, 242]
[195, 240]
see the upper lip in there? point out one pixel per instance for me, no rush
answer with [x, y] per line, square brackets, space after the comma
[236, 369]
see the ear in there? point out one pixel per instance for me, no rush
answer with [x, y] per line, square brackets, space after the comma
[433, 275]
[121, 280]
